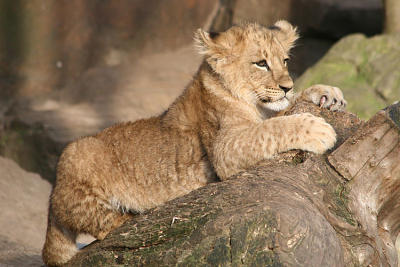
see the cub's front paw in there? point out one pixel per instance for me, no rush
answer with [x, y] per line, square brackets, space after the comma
[315, 134]
[325, 96]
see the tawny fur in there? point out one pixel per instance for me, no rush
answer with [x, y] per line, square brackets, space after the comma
[224, 122]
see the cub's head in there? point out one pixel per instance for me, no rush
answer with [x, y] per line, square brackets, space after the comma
[251, 61]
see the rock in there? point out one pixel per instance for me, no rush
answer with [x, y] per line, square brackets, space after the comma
[30, 146]
[23, 204]
[366, 69]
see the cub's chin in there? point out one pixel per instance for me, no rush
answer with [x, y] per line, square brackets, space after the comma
[278, 105]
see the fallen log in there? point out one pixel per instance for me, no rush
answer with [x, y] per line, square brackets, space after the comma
[298, 209]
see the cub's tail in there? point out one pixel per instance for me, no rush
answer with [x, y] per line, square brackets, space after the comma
[59, 246]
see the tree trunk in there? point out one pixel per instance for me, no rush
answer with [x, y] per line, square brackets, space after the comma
[298, 209]
[392, 16]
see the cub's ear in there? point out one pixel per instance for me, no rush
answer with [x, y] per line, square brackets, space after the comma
[207, 44]
[286, 33]
[203, 42]
[215, 46]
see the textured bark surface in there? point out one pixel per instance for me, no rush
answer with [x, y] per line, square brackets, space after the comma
[374, 181]
[294, 210]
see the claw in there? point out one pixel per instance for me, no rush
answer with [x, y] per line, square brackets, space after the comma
[322, 100]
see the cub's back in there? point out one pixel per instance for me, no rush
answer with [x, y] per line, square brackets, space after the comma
[157, 159]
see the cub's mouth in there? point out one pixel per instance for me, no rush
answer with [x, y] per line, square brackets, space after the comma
[273, 98]
[270, 95]
[270, 99]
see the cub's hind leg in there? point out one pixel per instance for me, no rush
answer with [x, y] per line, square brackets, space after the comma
[81, 199]
[59, 245]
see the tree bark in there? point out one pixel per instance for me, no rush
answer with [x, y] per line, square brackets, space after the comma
[298, 209]
[392, 16]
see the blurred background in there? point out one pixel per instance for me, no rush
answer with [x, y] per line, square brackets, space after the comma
[69, 68]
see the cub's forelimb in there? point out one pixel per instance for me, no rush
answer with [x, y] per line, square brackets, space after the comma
[238, 147]
[241, 145]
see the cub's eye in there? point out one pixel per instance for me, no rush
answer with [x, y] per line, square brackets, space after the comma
[262, 64]
[285, 61]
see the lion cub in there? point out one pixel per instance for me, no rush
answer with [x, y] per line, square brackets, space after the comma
[221, 124]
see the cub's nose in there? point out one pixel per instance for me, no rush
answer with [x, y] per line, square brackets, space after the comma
[285, 89]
